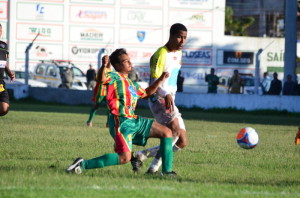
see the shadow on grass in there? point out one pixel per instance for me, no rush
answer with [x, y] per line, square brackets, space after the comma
[266, 117]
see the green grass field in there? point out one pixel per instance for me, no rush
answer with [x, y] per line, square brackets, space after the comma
[38, 141]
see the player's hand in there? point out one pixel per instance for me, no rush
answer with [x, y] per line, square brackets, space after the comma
[164, 76]
[12, 76]
[169, 102]
[105, 61]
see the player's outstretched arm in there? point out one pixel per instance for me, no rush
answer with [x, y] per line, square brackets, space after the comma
[152, 88]
[101, 73]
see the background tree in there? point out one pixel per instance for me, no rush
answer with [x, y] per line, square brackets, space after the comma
[236, 26]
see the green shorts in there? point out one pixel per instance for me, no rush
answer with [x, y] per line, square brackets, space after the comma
[128, 131]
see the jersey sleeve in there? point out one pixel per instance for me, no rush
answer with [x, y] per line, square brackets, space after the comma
[140, 91]
[110, 78]
[157, 67]
[157, 63]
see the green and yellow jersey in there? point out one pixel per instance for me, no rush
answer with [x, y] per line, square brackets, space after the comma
[165, 61]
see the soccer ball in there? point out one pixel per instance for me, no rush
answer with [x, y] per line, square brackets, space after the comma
[247, 138]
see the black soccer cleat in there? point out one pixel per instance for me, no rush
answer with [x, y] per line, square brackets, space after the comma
[75, 166]
[136, 164]
[171, 174]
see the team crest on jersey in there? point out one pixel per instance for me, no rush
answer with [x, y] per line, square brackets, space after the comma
[141, 35]
[132, 91]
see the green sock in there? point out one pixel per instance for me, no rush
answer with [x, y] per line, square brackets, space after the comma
[109, 159]
[92, 114]
[166, 153]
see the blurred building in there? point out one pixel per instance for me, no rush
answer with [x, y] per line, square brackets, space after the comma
[268, 15]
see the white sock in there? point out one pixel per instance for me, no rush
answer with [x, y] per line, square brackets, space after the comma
[156, 163]
[176, 148]
[150, 152]
[174, 140]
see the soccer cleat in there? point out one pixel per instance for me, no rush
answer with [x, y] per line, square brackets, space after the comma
[171, 173]
[75, 166]
[297, 138]
[142, 155]
[89, 124]
[136, 164]
[151, 171]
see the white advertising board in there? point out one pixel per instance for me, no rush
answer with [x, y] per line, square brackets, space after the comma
[92, 14]
[3, 10]
[109, 2]
[141, 36]
[140, 55]
[193, 19]
[87, 53]
[48, 32]
[149, 17]
[40, 11]
[92, 34]
[188, 4]
[199, 38]
[40, 51]
[144, 3]
[197, 57]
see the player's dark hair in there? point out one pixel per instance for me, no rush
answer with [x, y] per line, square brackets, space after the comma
[114, 57]
[176, 28]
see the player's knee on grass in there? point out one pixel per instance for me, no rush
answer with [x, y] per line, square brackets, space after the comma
[124, 157]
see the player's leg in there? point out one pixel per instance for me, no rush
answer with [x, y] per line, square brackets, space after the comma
[177, 126]
[4, 108]
[123, 148]
[98, 100]
[4, 100]
[92, 114]
[165, 149]
[175, 122]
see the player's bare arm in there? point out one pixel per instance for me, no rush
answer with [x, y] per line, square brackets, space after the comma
[9, 73]
[152, 88]
[105, 64]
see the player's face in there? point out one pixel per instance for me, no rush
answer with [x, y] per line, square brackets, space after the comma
[178, 40]
[125, 65]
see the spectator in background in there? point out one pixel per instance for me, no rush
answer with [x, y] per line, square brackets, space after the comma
[236, 85]
[265, 83]
[212, 80]
[180, 80]
[289, 86]
[133, 75]
[276, 85]
[67, 77]
[91, 78]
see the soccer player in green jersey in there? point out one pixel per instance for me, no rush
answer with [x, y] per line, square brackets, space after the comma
[125, 126]
[98, 97]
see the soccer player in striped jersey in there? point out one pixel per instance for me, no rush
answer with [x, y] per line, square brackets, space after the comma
[4, 98]
[162, 104]
[99, 96]
[125, 126]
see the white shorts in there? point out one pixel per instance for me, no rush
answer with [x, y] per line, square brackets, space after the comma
[161, 114]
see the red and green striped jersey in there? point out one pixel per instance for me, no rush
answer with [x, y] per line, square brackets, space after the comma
[122, 95]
